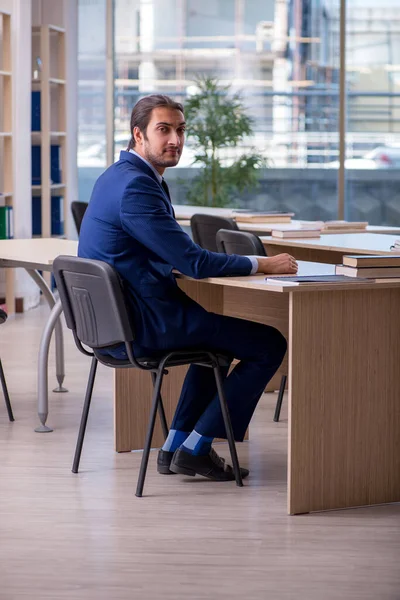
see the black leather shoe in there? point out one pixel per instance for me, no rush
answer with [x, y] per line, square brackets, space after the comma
[163, 462]
[211, 466]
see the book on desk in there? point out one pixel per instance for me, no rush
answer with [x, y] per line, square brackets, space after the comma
[296, 233]
[313, 279]
[344, 225]
[262, 217]
[365, 272]
[371, 260]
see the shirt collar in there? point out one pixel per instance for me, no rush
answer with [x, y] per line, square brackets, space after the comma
[156, 173]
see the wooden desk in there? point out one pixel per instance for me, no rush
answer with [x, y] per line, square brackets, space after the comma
[330, 248]
[265, 228]
[36, 255]
[184, 213]
[344, 377]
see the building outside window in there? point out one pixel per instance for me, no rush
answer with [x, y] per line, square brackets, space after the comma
[284, 56]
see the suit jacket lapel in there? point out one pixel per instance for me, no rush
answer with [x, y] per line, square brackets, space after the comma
[141, 166]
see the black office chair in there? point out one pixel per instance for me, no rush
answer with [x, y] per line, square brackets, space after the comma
[248, 244]
[78, 210]
[3, 319]
[205, 227]
[239, 242]
[93, 302]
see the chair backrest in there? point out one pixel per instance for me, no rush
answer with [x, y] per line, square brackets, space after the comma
[93, 301]
[78, 210]
[239, 242]
[205, 227]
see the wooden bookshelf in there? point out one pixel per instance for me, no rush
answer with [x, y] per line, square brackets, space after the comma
[6, 139]
[48, 43]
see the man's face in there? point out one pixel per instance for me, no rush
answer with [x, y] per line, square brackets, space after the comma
[163, 141]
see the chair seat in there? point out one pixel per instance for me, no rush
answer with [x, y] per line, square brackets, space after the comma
[180, 358]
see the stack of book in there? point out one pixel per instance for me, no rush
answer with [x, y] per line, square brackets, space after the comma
[370, 266]
[244, 216]
[344, 226]
[296, 233]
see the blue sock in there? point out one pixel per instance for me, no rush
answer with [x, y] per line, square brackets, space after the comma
[174, 440]
[197, 444]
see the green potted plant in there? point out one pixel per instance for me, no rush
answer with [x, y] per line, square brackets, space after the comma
[217, 120]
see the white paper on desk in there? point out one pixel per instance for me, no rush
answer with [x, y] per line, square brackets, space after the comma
[281, 281]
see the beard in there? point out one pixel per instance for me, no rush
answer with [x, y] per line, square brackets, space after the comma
[162, 160]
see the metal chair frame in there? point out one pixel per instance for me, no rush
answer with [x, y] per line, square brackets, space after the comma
[76, 309]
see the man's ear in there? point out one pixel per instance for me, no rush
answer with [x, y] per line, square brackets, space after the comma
[137, 135]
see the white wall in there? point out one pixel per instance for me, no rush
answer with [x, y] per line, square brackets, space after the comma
[71, 26]
[6, 5]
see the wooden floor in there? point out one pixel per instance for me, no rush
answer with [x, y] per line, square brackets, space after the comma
[86, 536]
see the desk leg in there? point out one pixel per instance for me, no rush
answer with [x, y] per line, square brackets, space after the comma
[344, 410]
[10, 291]
[43, 391]
[60, 372]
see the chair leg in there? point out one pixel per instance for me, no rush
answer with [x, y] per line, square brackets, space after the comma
[85, 414]
[228, 426]
[161, 411]
[280, 399]
[5, 391]
[150, 430]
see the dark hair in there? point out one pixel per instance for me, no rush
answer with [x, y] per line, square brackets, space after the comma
[141, 112]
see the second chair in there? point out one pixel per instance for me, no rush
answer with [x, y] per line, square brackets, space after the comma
[247, 244]
[78, 210]
[205, 228]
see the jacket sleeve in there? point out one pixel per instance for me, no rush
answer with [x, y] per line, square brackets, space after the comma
[145, 216]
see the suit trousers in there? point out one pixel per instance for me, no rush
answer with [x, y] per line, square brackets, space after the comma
[260, 350]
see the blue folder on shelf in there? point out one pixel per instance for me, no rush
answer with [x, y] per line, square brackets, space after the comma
[55, 168]
[35, 108]
[57, 215]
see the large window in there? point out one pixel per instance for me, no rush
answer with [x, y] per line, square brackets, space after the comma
[91, 94]
[282, 55]
[373, 111]
[285, 57]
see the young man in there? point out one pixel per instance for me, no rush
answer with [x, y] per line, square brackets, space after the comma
[130, 224]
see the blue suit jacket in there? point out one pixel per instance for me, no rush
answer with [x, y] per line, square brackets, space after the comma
[129, 224]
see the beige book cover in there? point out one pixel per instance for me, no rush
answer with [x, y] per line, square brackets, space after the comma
[262, 218]
[345, 224]
[373, 260]
[296, 233]
[374, 272]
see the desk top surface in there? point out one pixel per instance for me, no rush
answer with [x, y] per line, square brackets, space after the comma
[258, 282]
[38, 252]
[348, 243]
[268, 227]
[184, 213]
[41, 252]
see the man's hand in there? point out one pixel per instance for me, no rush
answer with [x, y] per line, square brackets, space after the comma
[273, 265]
